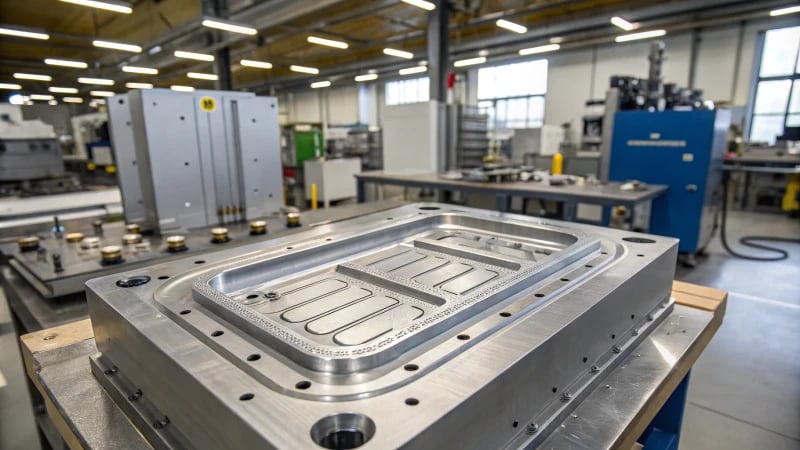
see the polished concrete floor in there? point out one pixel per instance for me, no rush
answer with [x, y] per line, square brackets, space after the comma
[744, 391]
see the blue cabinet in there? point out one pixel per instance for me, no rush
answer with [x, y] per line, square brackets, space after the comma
[684, 150]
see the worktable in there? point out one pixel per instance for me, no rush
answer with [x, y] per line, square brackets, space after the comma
[605, 195]
[761, 162]
[641, 400]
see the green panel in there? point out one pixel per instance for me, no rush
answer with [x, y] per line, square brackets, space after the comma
[307, 145]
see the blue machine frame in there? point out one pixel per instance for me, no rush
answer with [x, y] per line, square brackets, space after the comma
[684, 150]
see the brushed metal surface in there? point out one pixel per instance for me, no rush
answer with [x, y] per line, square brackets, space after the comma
[410, 364]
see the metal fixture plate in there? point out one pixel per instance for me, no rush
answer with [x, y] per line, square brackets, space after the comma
[513, 344]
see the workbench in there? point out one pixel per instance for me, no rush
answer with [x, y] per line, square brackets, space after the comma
[761, 162]
[570, 195]
[642, 400]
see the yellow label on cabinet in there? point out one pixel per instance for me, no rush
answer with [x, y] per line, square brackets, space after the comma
[208, 104]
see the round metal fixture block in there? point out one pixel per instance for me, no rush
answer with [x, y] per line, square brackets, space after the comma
[131, 239]
[258, 227]
[176, 243]
[219, 235]
[133, 228]
[74, 238]
[90, 242]
[111, 254]
[28, 243]
[292, 219]
[333, 336]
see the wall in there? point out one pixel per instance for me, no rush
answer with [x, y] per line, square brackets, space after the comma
[722, 69]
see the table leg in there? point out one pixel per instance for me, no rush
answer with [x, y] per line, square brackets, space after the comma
[502, 202]
[360, 193]
[746, 190]
[664, 431]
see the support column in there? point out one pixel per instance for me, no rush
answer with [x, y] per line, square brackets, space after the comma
[222, 58]
[438, 70]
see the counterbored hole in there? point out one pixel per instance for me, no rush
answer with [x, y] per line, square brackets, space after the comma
[217, 333]
[565, 279]
[505, 314]
[252, 296]
[163, 277]
[463, 337]
[200, 261]
[343, 431]
[303, 385]
[640, 255]
[185, 312]
[540, 295]
[411, 367]
[412, 401]
[253, 357]
[246, 396]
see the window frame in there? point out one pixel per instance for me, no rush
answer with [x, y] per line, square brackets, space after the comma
[405, 81]
[493, 117]
[756, 79]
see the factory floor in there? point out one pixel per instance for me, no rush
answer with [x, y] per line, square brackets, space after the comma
[744, 391]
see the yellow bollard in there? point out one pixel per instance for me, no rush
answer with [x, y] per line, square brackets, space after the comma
[313, 197]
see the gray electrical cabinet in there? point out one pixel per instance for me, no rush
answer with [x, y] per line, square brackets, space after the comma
[189, 160]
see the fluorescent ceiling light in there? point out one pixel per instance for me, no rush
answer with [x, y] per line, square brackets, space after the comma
[52, 102]
[412, 70]
[101, 93]
[100, 81]
[108, 5]
[202, 76]
[619, 22]
[12, 86]
[320, 84]
[99, 101]
[117, 46]
[195, 56]
[398, 53]
[539, 49]
[367, 77]
[32, 76]
[784, 11]
[470, 61]
[72, 100]
[229, 26]
[132, 85]
[142, 70]
[65, 63]
[511, 26]
[556, 40]
[19, 32]
[42, 97]
[179, 88]
[62, 90]
[327, 42]
[642, 35]
[428, 6]
[256, 64]
[304, 69]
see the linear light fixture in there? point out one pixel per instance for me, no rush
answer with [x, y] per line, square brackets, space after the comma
[108, 5]
[24, 33]
[785, 11]
[72, 100]
[32, 76]
[101, 93]
[255, 64]
[194, 56]
[42, 97]
[65, 63]
[619, 22]
[98, 81]
[225, 25]
[52, 102]
[398, 53]
[117, 46]
[180, 88]
[327, 42]
[62, 90]
[304, 69]
[320, 84]
[427, 6]
[202, 76]
[366, 77]
[539, 49]
[141, 70]
[511, 26]
[413, 70]
[469, 61]
[642, 35]
[12, 86]
[134, 85]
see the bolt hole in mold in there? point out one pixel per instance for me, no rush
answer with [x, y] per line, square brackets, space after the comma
[343, 431]
[369, 296]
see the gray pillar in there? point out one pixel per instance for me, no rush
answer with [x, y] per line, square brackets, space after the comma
[438, 69]
[222, 58]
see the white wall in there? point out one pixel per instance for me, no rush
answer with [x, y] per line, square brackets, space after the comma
[579, 75]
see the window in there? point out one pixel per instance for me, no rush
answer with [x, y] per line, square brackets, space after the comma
[777, 90]
[513, 95]
[408, 91]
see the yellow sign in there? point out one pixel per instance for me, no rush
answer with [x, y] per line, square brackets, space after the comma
[111, 169]
[208, 104]
[91, 166]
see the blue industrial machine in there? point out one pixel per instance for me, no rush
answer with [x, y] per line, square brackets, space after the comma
[681, 149]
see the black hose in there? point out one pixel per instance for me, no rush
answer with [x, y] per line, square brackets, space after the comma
[747, 241]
